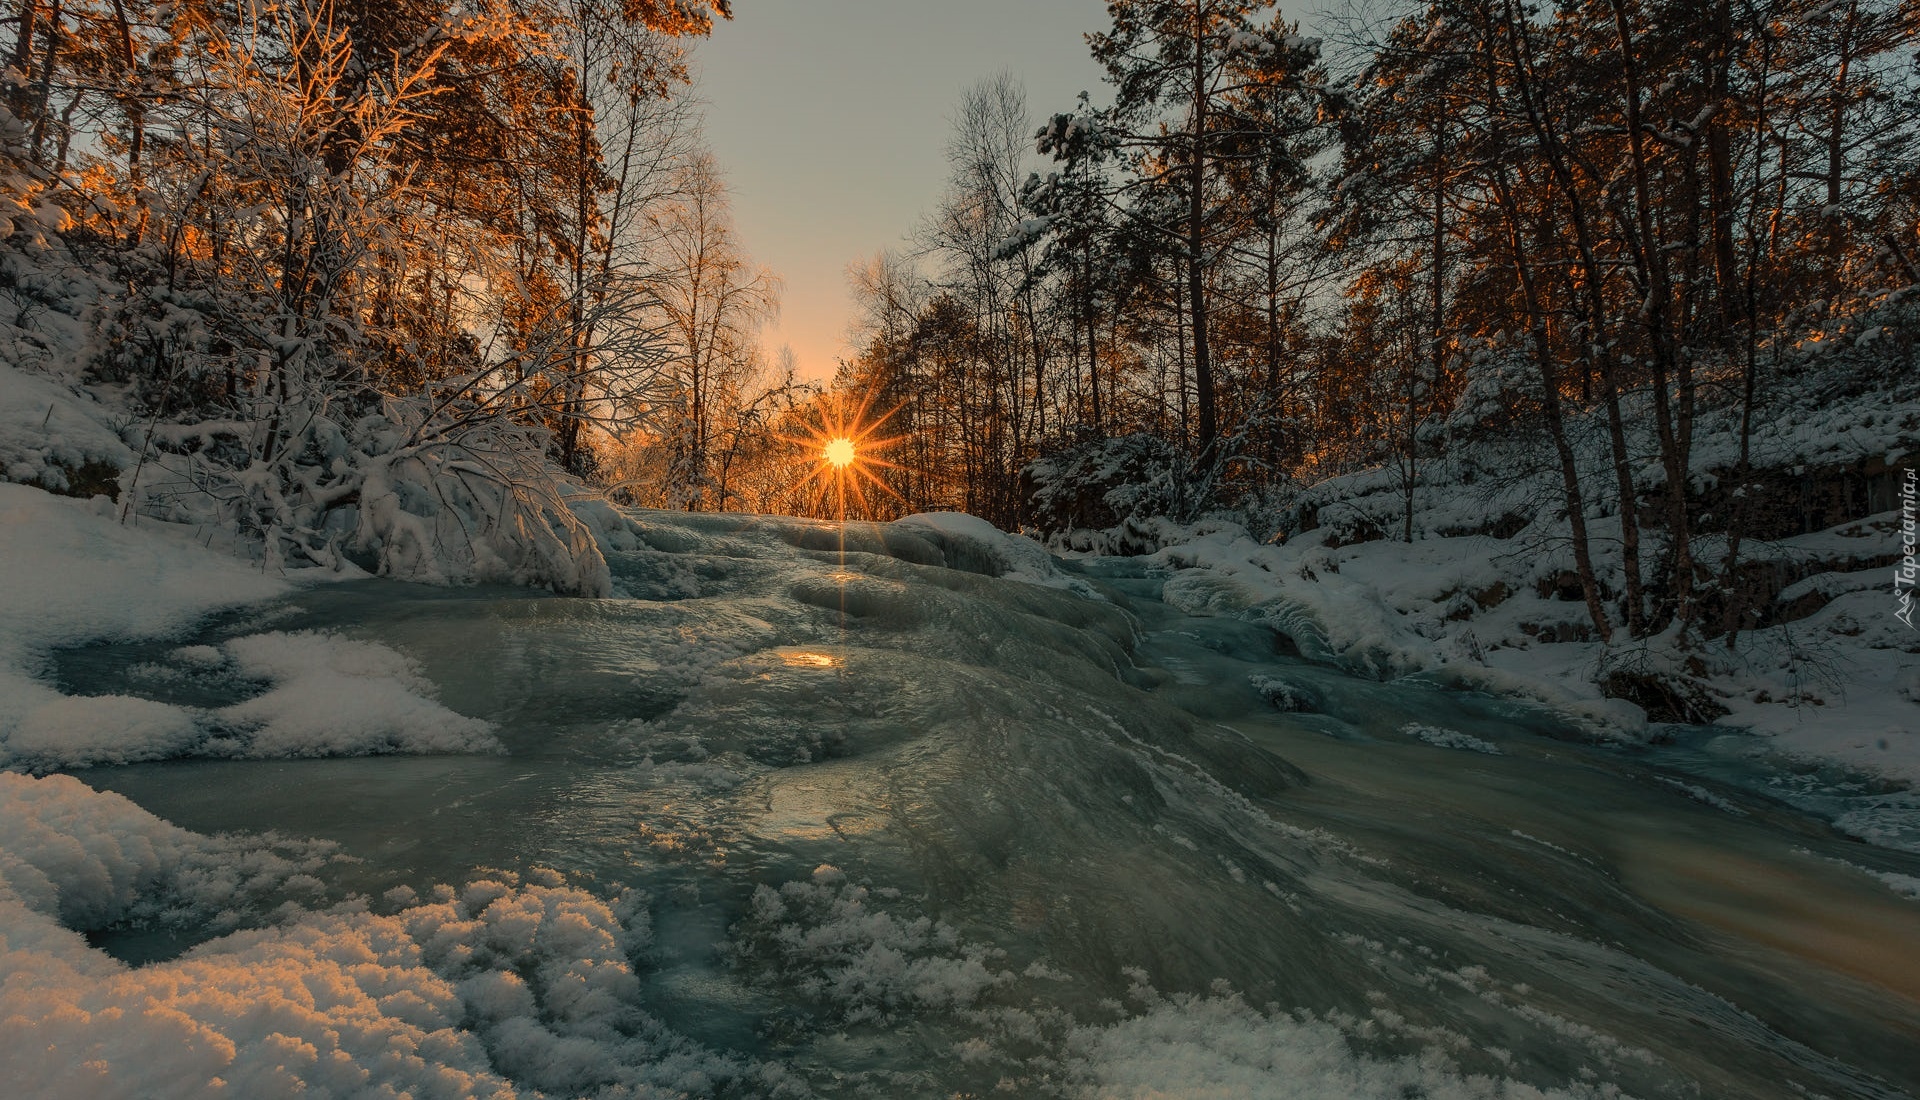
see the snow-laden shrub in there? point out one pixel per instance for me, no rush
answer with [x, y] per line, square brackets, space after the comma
[1109, 487]
[1496, 375]
[409, 489]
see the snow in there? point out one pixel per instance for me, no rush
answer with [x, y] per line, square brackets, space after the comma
[1907, 886]
[73, 732]
[1332, 617]
[90, 860]
[77, 576]
[973, 543]
[1214, 1048]
[511, 986]
[1444, 738]
[1283, 695]
[336, 696]
[95, 579]
[48, 431]
[822, 936]
[1702, 795]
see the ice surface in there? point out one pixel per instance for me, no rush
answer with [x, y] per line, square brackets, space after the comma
[974, 543]
[952, 829]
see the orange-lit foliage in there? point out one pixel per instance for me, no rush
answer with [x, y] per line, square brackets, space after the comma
[1599, 217]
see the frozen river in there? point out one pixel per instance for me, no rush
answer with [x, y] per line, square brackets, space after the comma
[911, 830]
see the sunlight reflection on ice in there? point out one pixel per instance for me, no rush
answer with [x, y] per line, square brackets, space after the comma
[817, 811]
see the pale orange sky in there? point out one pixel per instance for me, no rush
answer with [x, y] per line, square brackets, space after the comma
[829, 118]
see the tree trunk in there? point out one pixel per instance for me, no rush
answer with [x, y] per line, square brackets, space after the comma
[20, 96]
[1540, 119]
[1196, 242]
[1673, 426]
[43, 86]
[1721, 199]
[1832, 217]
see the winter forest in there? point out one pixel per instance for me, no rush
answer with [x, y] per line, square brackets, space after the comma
[1369, 554]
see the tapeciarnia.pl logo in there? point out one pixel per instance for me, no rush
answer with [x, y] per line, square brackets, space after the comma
[1904, 573]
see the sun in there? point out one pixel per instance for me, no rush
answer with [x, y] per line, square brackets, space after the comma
[845, 444]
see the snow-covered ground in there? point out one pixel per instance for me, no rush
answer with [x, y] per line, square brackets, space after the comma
[1840, 685]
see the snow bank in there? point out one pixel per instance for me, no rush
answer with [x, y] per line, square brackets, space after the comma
[1842, 685]
[49, 432]
[77, 576]
[1483, 613]
[84, 577]
[89, 860]
[507, 987]
[1332, 618]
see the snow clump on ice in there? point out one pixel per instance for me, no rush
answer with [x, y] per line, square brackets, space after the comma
[326, 695]
[512, 986]
[337, 696]
[1441, 737]
[1187, 1047]
[825, 936]
[84, 578]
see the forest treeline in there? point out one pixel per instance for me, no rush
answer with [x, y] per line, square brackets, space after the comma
[369, 274]
[370, 271]
[1269, 259]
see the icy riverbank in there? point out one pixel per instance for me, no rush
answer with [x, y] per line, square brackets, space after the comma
[897, 810]
[1839, 685]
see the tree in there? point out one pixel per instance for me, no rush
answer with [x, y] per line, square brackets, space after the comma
[1204, 59]
[710, 301]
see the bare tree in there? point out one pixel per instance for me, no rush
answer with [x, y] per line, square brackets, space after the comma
[709, 300]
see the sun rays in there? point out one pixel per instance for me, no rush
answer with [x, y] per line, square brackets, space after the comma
[844, 445]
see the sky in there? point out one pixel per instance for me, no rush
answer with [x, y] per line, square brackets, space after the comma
[830, 118]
